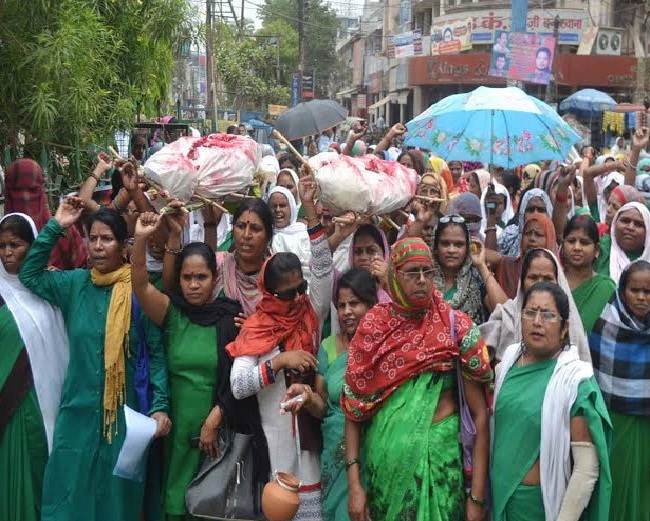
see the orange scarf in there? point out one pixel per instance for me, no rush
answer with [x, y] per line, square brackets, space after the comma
[294, 324]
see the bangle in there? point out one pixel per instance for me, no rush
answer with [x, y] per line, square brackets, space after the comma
[474, 499]
[491, 229]
[173, 251]
[352, 463]
[96, 177]
[561, 198]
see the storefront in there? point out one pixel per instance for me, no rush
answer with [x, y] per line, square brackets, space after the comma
[435, 77]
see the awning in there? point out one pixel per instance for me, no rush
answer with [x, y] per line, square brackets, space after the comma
[380, 103]
[347, 93]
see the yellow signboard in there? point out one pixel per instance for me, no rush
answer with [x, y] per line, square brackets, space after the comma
[276, 110]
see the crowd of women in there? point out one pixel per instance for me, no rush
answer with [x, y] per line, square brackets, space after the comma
[510, 311]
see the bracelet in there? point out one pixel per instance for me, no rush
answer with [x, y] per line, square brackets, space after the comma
[491, 229]
[474, 499]
[96, 177]
[173, 251]
[561, 198]
[269, 373]
[352, 463]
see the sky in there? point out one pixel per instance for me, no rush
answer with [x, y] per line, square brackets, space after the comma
[348, 8]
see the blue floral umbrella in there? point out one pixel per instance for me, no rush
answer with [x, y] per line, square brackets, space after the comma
[500, 126]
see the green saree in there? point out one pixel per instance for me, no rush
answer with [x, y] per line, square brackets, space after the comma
[517, 438]
[591, 297]
[334, 477]
[602, 262]
[413, 467]
[23, 444]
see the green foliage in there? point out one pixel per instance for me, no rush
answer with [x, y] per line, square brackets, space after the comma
[247, 69]
[320, 35]
[76, 70]
[288, 46]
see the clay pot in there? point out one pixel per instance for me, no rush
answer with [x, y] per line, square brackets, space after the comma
[280, 500]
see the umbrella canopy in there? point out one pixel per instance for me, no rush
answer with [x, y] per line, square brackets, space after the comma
[588, 100]
[310, 118]
[501, 126]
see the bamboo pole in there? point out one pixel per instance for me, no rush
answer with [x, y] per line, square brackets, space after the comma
[288, 144]
[430, 199]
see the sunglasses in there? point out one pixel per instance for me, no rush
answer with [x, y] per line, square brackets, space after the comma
[454, 218]
[290, 294]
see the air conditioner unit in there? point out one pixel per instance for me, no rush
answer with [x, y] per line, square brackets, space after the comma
[609, 41]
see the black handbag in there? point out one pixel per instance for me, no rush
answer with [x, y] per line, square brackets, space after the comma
[225, 487]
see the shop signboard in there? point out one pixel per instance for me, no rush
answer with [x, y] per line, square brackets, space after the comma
[451, 37]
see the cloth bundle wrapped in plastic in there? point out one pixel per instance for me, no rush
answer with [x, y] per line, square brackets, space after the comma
[364, 184]
[211, 166]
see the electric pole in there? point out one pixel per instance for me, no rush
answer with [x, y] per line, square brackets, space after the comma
[301, 44]
[209, 47]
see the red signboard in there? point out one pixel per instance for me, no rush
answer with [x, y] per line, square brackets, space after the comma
[571, 69]
[455, 68]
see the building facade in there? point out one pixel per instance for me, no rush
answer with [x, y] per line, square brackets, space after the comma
[434, 48]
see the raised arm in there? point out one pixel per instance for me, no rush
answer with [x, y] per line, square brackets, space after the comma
[561, 203]
[104, 164]
[172, 248]
[321, 267]
[153, 302]
[53, 286]
[396, 130]
[494, 292]
[640, 140]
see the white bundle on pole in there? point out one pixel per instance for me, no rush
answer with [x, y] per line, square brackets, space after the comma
[206, 167]
[364, 184]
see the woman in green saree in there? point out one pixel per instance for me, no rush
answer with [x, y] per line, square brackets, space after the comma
[33, 360]
[580, 248]
[356, 294]
[400, 386]
[551, 430]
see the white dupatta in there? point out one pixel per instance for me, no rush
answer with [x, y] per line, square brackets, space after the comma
[42, 330]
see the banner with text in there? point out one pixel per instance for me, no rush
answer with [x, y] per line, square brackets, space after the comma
[451, 37]
[540, 21]
[523, 56]
[405, 45]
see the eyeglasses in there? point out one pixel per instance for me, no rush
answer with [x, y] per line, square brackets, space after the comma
[547, 316]
[454, 218]
[290, 294]
[415, 274]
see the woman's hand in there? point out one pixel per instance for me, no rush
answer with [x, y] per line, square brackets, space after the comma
[424, 213]
[379, 268]
[147, 225]
[104, 164]
[297, 390]
[129, 176]
[473, 511]
[641, 138]
[163, 424]
[478, 258]
[209, 440]
[175, 221]
[397, 129]
[69, 211]
[302, 361]
[358, 507]
[307, 189]
[239, 320]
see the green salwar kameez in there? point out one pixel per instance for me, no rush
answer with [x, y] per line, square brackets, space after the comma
[517, 438]
[591, 297]
[79, 484]
[332, 461]
[412, 466]
[192, 357]
[23, 444]
[630, 457]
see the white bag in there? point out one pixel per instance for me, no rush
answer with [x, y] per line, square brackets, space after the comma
[364, 184]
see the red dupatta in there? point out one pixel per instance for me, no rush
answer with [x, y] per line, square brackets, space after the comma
[294, 324]
[392, 345]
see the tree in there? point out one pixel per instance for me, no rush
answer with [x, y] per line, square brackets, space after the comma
[320, 27]
[247, 69]
[288, 46]
[74, 71]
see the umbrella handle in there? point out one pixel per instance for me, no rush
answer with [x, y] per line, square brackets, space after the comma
[284, 140]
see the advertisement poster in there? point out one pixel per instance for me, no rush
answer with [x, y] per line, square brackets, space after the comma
[451, 37]
[405, 45]
[523, 56]
[487, 24]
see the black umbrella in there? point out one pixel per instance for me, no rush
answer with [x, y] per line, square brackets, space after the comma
[310, 118]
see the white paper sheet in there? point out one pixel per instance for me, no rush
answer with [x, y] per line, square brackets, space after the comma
[132, 460]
